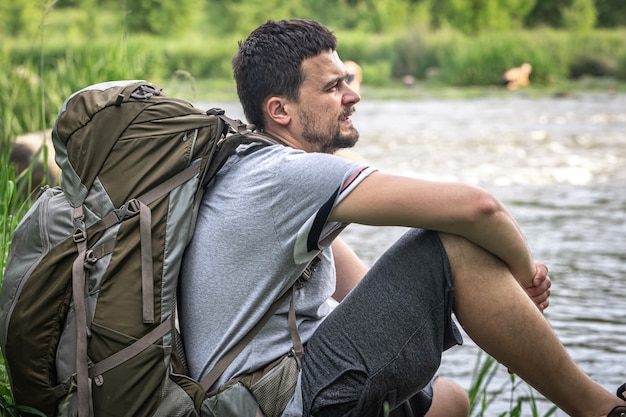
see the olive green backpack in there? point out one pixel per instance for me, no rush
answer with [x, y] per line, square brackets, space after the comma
[88, 302]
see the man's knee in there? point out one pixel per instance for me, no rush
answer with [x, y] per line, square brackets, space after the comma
[459, 247]
[449, 400]
[467, 258]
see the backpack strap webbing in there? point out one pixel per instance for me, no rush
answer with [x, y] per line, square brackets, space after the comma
[130, 351]
[78, 293]
[221, 365]
[226, 360]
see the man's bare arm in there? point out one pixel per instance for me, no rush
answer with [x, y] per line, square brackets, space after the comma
[461, 209]
[350, 269]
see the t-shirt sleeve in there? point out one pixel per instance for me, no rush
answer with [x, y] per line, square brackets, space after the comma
[312, 184]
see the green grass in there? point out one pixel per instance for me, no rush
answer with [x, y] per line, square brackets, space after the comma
[482, 394]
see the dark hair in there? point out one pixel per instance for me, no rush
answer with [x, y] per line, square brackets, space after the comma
[268, 62]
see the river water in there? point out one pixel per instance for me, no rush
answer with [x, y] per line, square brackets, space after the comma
[559, 164]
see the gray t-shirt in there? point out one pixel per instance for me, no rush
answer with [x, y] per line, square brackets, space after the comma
[262, 219]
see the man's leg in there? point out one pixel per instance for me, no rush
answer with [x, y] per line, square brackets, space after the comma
[498, 315]
[383, 343]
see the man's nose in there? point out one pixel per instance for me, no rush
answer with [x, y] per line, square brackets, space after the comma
[351, 96]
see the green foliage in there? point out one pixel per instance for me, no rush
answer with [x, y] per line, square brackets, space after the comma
[163, 17]
[12, 207]
[240, 16]
[237, 17]
[611, 13]
[594, 65]
[21, 86]
[413, 57]
[546, 13]
[602, 54]
[248, 14]
[20, 17]
[445, 56]
[621, 68]
[7, 219]
[387, 15]
[61, 73]
[581, 15]
[481, 60]
[461, 60]
[482, 394]
[576, 14]
[481, 15]
[352, 45]
[377, 73]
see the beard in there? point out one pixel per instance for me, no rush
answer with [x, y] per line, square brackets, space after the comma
[328, 140]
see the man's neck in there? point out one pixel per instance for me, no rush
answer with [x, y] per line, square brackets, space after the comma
[288, 140]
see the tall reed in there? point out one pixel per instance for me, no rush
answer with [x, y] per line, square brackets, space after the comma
[483, 395]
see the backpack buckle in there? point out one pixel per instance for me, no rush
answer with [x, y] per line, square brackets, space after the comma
[90, 259]
[144, 92]
[215, 111]
[129, 209]
[308, 272]
[80, 232]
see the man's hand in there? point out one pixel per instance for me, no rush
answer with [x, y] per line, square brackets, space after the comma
[539, 291]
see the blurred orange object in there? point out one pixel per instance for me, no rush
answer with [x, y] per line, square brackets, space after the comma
[517, 77]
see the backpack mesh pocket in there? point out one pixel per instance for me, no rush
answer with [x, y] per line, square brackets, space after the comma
[274, 390]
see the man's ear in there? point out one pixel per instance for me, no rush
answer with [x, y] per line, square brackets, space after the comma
[276, 111]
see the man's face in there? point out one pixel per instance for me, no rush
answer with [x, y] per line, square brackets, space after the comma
[326, 104]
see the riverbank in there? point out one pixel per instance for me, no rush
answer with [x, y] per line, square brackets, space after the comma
[222, 90]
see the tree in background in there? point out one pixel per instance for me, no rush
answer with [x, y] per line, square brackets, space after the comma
[162, 17]
[211, 17]
[381, 16]
[577, 14]
[611, 13]
[241, 16]
[581, 15]
[475, 16]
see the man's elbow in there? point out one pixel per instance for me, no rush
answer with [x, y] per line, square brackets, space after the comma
[485, 206]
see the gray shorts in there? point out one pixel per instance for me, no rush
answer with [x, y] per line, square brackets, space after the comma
[384, 342]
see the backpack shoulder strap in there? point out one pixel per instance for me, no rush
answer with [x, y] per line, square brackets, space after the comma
[230, 356]
[240, 133]
[219, 368]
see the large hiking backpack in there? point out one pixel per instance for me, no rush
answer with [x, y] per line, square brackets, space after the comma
[88, 300]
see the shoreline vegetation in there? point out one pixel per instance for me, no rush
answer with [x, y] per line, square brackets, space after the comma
[207, 91]
[401, 65]
[407, 49]
[73, 48]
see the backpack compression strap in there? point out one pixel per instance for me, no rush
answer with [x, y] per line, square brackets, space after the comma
[78, 293]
